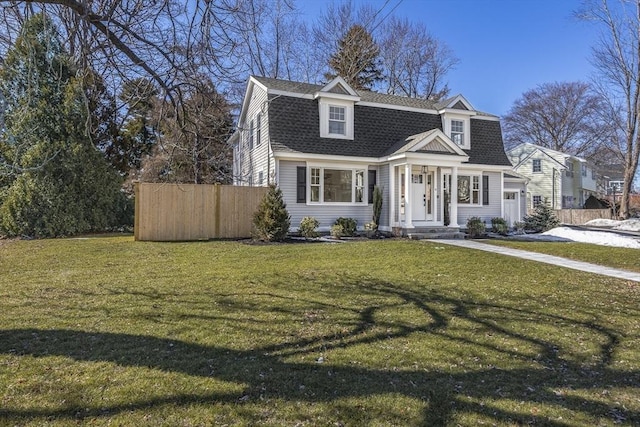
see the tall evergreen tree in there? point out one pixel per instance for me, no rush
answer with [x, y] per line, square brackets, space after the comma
[56, 181]
[137, 136]
[357, 59]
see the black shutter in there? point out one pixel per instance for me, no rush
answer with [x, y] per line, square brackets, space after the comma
[301, 185]
[485, 189]
[372, 184]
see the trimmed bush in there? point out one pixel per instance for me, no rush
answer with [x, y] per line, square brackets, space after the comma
[518, 227]
[542, 219]
[271, 221]
[308, 227]
[499, 225]
[475, 227]
[349, 226]
[337, 231]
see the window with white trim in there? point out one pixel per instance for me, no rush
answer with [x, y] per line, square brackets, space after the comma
[537, 165]
[359, 186]
[584, 170]
[337, 121]
[536, 200]
[457, 132]
[251, 135]
[330, 185]
[258, 128]
[569, 171]
[469, 189]
[315, 185]
[260, 178]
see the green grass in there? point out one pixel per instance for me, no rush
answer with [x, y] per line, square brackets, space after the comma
[108, 331]
[623, 258]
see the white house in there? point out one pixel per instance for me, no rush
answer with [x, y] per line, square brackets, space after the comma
[326, 147]
[563, 180]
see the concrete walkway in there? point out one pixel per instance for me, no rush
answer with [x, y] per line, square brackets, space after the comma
[548, 259]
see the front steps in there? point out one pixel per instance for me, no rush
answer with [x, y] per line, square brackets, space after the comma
[439, 233]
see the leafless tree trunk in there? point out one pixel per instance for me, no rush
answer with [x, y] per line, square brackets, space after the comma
[617, 59]
[415, 63]
[566, 117]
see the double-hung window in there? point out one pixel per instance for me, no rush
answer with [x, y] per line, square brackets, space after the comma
[328, 185]
[258, 128]
[469, 189]
[315, 185]
[251, 127]
[337, 121]
[457, 132]
[537, 165]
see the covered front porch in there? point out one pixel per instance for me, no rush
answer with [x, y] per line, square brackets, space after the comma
[420, 198]
[423, 170]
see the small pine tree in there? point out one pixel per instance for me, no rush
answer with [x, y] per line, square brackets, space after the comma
[377, 205]
[271, 221]
[357, 59]
[542, 219]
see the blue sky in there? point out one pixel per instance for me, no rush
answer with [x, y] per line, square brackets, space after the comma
[505, 47]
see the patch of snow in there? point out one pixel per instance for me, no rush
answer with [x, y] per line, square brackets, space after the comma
[601, 222]
[594, 237]
[628, 225]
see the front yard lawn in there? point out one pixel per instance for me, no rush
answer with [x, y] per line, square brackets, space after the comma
[108, 331]
[608, 256]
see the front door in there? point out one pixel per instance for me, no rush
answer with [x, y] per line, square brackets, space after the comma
[422, 196]
[511, 207]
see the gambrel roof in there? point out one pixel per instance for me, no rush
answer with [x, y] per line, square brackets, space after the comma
[382, 124]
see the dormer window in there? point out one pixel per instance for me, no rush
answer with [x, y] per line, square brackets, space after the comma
[457, 132]
[456, 116]
[336, 103]
[337, 123]
[336, 119]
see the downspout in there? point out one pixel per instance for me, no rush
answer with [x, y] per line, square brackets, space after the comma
[268, 162]
[553, 190]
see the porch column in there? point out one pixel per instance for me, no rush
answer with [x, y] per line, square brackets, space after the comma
[407, 199]
[393, 196]
[453, 220]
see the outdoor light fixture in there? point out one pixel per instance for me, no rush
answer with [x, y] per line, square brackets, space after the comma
[425, 169]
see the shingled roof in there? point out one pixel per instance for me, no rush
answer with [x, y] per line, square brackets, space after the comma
[294, 125]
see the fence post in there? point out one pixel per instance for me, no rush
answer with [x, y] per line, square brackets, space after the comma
[216, 211]
[136, 210]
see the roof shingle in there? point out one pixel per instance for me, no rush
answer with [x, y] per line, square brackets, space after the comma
[294, 126]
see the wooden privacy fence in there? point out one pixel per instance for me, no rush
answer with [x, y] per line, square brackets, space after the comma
[179, 212]
[581, 216]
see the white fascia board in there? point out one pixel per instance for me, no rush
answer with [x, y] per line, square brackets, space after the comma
[340, 96]
[247, 99]
[342, 82]
[460, 98]
[396, 107]
[234, 137]
[487, 118]
[437, 159]
[291, 94]
[456, 112]
[257, 83]
[422, 110]
[285, 155]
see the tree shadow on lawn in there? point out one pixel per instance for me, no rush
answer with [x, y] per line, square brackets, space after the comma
[444, 393]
